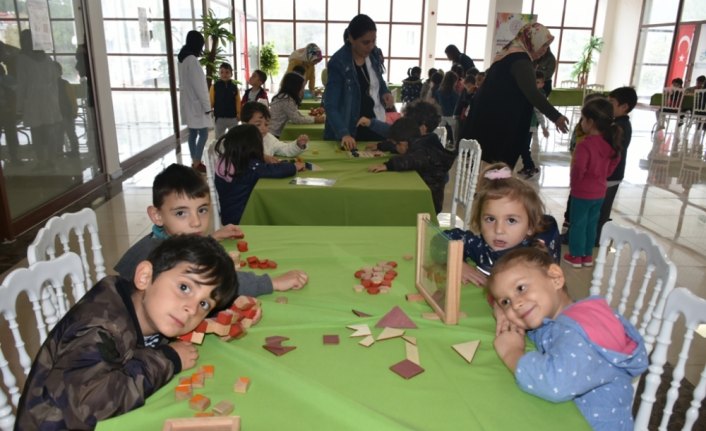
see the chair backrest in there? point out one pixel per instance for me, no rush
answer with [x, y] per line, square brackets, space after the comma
[680, 302]
[700, 102]
[638, 295]
[567, 83]
[36, 281]
[211, 160]
[441, 133]
[44, 245]
[467, 169]
[672, 99]
[595, 87]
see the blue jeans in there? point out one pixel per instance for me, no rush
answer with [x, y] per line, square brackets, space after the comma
[196, 148]
[583, 214]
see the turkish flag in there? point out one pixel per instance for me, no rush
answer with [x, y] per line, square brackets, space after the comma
[682, 49]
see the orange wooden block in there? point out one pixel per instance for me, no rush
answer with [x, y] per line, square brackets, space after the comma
[199, 402]
[208, 370]
[203, 326]
[182, 392]
[241, 385]
[185, 381]
[242, 246]
[197, 380]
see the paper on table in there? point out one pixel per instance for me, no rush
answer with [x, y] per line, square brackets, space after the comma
[322, 182]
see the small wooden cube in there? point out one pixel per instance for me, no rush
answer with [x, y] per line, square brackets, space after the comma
[199, 402]
[241, 385]
[223, 408]
[197, 380]
[242, 246]
[208, 371]
[182, 392]
[244, 302]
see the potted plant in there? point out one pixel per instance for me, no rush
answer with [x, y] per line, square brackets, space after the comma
[269, 62]
[583, 67]
[216, 32]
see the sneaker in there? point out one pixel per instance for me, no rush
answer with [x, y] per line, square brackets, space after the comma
[575, 261]
[587, 261]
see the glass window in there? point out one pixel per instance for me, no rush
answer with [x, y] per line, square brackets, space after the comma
[251, 7]
[179, 31]
[342, 10]
[142, 118]
[311, 9]
[572, 44]
[59, 9]
[475, 42]
[655, 44]
[649, 78]
[278, 9]
[694, 10]
[128, 8]
[564, 73]
[398, 69]
[579, 13]
[221, 8]
[64, 36]
[10, 33]
[478, 12]
[451, 12]
[406, 40]
[660, 11]
[281, 34]
[407, 11]
[378, 10]
[138, 72]
[446, 35]
[383, 39]
[124, 37]
[335, 37]
[548, 12]
[310, 33]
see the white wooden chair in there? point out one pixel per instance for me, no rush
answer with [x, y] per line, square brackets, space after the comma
[62, 227]
[467, 169]
[639, 295]
[680, 302]
[33, 281]
[595, 87]
[567, 83]
[441, 133]
[211, 160]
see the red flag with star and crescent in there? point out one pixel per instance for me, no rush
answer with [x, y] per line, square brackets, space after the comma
[682, 49]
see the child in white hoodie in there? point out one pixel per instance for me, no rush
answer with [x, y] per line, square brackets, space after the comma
[258, 115]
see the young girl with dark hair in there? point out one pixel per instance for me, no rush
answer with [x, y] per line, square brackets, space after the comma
[241, 163]
[284, 106]
[412, 85]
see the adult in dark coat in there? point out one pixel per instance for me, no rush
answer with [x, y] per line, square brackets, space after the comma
[457, 57]
[502, 108]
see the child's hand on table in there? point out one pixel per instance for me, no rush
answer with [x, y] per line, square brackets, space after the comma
[229, 231]
[509, 343]
[471, 274]
[300, 166]
[187, 353]
[377, 168]
[302, 140]
[294, 279]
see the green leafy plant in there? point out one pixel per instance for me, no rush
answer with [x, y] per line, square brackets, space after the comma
[217, 33]
[269, 62]
[583, 67]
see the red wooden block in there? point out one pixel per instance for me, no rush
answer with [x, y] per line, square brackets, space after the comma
[203, 326]
[197, 380]
[366, 283]
[243, 263]
[203, 414]
[262, 264]
[242, 246]
[387, 283]
[253, 265]
[208, 370]
[373, 290]
[244, 302]
[358, 273]
[272, 264]
[225, 317]
[392, 263]
[236, 330]
[331, 339]
[249, 313]
[252, 259]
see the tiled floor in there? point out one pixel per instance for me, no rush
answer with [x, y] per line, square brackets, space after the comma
[671, 210]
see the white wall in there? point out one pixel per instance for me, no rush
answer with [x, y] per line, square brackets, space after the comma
[618, 22]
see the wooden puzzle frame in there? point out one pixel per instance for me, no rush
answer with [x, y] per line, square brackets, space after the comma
[449, 310]
[216, 423]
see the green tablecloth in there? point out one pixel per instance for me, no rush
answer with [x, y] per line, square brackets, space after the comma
[566, 97]
[358, 198]
[347, 386]
[686, 104]
[292, 131]
[310, 103]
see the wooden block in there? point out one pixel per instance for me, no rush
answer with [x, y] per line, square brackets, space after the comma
[185, 381]
[215, 423]
[275, 340]
[199, 402]
[396, 318]
[412, 352]
[384, 289]
[236, 331]
[388, 333]
[367, 341]
[219, 329]
[203, 326]
[182, 392]
[331, 339]
[414, 297]
[225, 317]
[197, 337]
[279, 350]
[197, 380]
[407, 369]
[242, 246]
[208, 371]
[362, 330]
[467, 350]
[241, 385]
[281, 300]
[223, 408]
[246, 323]
[244, 302]
[358, 288]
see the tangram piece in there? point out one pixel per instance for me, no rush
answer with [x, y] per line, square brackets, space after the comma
[430, 316]
[208, 370]
[414, 297]
[241, 385]
[367, 341]
[199, 402]
[412, 352]
[388, 333]
[223, 408]
[396, 318]
[410, 339]
[360, 313]
[279, 350]
[281, 300]
[275, 340]
[407, 369]
[467, 350]
[331, 339]
[362, 330]
[197, 380]
[214, 423]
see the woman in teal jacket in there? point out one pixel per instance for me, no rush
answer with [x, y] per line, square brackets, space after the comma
[355, 86]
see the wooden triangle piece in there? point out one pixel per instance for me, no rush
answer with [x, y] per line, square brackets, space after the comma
[410, 339]
[362, 330]
[467, 350]
[367, 341]
[360, 313]
[388, 333]
[396, 318]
